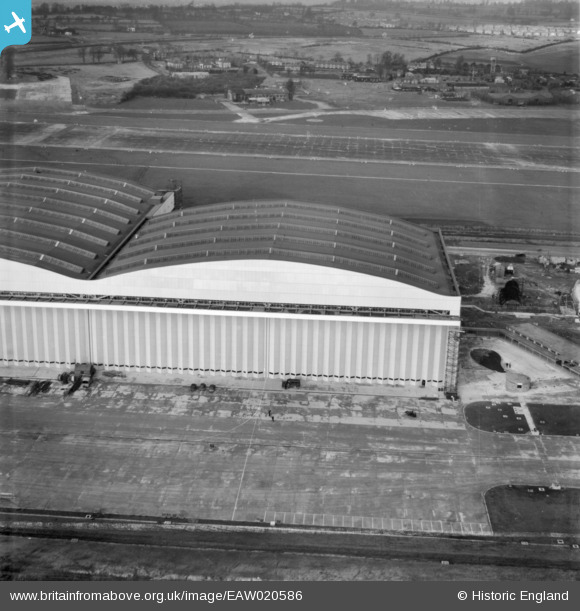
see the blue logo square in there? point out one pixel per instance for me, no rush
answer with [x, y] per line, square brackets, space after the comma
[15, 22]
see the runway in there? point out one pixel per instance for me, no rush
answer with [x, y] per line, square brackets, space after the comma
[500, 180]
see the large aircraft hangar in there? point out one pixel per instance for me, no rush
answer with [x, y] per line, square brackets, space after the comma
[98, 270]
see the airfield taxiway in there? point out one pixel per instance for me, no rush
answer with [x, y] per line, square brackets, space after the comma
[352, 459]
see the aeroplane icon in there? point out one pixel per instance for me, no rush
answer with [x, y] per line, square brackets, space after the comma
[17, 22]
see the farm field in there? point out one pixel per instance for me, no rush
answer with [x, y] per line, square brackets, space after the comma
[560, 58]
[508, 43]
[358, 49]
[413, 46]
[371, 96]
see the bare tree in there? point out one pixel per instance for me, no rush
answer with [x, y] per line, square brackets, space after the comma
[82, 51]
[119, 52]
[97, 54]
[291, 88]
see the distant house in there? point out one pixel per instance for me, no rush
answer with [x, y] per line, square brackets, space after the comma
[331, 66]
[174, 66]
[193, 75]
[417, 66]
[264, 95]
[65, 31]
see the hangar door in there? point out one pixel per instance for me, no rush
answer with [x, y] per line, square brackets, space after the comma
[384, 351]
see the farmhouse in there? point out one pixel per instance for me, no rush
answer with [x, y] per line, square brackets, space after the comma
[99, 270]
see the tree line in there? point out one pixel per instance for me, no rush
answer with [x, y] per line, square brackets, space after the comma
[97, 52]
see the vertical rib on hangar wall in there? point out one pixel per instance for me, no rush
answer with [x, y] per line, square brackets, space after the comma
[220, 344]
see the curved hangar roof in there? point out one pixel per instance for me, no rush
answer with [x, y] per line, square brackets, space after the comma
[66, 222]
[89, 227]
[291, 231]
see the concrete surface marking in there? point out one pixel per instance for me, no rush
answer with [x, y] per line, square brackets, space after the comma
[96, 142]
[39, 136]
[256, 416]
[523, 409]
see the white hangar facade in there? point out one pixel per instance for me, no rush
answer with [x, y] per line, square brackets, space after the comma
[93, 269]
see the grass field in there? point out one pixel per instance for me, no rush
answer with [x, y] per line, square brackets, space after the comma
[500, 418]
[533, 509]
[552, 419]
[510, 43]
[36, 558]
[370, 96]
[490, 126]
[173, 104]
[469, 275]
[560, 58]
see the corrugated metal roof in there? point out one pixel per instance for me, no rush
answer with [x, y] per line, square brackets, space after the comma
[561, 347]
[66, 222]
[291, 231]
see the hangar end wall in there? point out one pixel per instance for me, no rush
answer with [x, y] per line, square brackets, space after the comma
[212, 343]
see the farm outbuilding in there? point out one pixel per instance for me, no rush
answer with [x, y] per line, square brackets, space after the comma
[92, 272]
